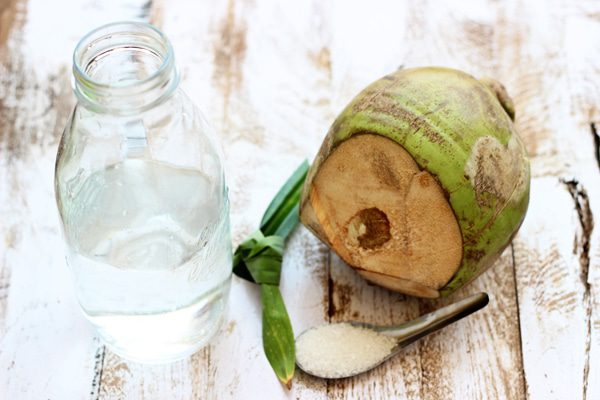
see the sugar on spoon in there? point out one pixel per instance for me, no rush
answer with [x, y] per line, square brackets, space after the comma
[346, 349]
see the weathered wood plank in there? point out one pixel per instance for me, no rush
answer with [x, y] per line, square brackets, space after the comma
[551, 294]
[248, 67]
[479, 357]
[582, 38]
[47, 349]
[271, 77]
[261, 70]
[547, 64]
[38, 312]
[359, 56]
[190, 378]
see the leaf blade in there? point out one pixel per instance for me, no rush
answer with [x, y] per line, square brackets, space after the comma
[284, 200]
[278, 335]
[258, 259]
[280, 219]
[289, 223]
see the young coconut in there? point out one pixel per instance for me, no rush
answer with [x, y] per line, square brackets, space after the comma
[421, 181]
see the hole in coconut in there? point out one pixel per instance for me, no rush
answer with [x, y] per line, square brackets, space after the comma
[369, 228]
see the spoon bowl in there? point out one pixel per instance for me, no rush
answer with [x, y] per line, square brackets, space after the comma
[346, 349]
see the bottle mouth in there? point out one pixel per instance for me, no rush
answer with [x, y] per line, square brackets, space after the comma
[124, 66]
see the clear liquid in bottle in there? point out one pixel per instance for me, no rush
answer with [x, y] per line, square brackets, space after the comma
[146, 245]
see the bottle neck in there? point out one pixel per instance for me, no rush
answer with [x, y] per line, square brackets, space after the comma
[124, 68]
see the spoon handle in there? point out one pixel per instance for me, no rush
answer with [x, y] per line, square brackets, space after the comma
[428, 323]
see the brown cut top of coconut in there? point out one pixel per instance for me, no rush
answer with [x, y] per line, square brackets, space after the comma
[384, 215]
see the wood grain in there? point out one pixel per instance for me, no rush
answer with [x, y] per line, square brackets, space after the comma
[270, 77]
[581, 38]
[552, 251]
[247, 103]
[39, 314]
[437, 367]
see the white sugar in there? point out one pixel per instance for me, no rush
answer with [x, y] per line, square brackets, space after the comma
[340, 350]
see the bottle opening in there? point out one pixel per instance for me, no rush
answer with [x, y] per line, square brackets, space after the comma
[124, 66]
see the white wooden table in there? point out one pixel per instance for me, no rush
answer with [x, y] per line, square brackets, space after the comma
[271, 76]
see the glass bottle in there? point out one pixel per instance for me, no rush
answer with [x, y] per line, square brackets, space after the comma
[142, 198]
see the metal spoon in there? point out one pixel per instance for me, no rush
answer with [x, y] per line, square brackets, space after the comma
[404, 334]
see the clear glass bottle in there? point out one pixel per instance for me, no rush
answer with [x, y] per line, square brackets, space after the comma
[142, 198]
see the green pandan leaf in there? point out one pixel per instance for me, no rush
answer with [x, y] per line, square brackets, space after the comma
[258, 259]
[280, 219]
[278, 336]
[284, 201]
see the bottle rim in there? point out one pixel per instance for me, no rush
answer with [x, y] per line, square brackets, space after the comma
[93, 45]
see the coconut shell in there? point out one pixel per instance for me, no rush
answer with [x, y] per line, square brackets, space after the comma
[460, 131]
